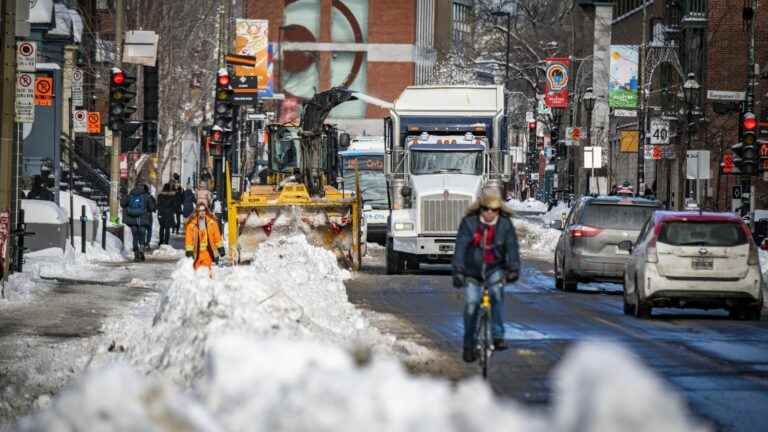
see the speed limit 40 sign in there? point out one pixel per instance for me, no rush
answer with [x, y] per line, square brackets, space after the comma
[659, 131]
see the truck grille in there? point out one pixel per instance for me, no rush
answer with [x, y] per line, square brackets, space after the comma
[442, 215]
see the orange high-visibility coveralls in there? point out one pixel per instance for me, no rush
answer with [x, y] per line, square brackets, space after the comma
[204, 244]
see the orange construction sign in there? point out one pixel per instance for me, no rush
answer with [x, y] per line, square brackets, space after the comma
[44, 91]
[94, 122]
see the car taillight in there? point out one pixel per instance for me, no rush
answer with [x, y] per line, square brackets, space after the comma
[585, 231]
[754, 257]
[650, 252]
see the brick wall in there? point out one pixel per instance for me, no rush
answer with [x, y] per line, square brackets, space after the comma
[386, 81]
[392, 21]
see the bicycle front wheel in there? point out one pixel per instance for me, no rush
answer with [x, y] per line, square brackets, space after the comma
[484, 343]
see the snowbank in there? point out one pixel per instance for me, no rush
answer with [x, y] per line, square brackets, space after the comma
[167, 252]
[292, 290]
[92, 211]
[277, 384]
[535, 240]
[531, 205]
[43, 212]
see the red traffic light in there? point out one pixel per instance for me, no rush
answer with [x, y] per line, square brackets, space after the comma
[749, 122]
[118, 78]
[223, 80]
[216, 135]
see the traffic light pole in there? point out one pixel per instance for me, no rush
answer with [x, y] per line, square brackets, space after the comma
[114, 186]
[7, 121]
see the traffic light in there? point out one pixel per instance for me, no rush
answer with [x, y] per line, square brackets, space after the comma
[746, 150]
[223, 109]
[121, 94]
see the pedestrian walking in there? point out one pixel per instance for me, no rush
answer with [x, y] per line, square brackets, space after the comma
[487, 254]
[188, 202]
[135, 208]
[177, 209]
[202, 237]
[166, 213]
[149, 218]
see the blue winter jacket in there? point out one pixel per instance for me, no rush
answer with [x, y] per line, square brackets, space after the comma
[468, 259]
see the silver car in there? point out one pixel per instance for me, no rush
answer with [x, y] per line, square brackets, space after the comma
[588, 249]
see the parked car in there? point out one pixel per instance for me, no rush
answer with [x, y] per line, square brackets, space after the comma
[694, 260]
[588, 249]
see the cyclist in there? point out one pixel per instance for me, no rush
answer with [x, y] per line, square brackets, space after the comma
[486, 253]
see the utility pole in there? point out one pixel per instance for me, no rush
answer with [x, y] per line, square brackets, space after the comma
[751, 92]
[114, 194]
[7, 121]
[643, 111]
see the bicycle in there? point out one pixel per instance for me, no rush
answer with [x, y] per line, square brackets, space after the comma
[483, 335]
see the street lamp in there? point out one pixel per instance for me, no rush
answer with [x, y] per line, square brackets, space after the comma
[691, 90]
[691, 94]
[588, 99]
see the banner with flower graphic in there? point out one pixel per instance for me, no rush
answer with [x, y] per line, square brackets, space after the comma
[622, 87]
[251, 39]
[556, 92]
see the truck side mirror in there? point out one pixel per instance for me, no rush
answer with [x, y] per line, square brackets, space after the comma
[344, 140]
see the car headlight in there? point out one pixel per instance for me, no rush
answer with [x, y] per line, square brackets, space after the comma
[403, 226]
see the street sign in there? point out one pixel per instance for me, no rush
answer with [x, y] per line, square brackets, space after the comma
[77, 87]
[80, 121]
[94, 122]
[697, 165]
[574, 135]
[44, 91]
[625, 113]
[245, 90]
[593, 157]
[26, 56]
[656, 153]
[25, 98]
[659, 131]
[723, 95]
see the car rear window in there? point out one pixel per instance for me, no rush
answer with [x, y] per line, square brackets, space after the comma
[616, 216]
[687, 233]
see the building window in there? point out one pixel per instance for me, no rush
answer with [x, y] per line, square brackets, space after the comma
[462, 14]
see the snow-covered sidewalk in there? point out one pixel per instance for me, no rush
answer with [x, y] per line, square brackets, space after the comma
[276, 346]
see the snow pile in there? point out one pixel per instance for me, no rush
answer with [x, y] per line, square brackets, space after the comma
[275, 384]
[531, 205]
[536, 240]
[73, 264]
[21, 287]
[292, 290]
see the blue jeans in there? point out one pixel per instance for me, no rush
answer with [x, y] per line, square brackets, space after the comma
[473, 295]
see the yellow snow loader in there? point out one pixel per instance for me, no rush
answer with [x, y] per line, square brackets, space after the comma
[299, 192]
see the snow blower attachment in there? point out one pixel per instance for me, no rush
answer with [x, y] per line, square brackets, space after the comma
[298, 192]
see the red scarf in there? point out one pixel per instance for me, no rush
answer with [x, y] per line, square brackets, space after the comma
[477, 241]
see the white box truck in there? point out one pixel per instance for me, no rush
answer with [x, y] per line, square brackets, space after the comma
[444, 145]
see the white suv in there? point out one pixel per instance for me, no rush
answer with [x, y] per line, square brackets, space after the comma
[693, 260]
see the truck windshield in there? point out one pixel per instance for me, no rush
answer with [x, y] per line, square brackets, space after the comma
[442, 162]
[373, 184]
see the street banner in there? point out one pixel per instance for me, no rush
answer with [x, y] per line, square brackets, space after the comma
[556, 92]
[44, 91]
[25, 98]
[77, 87]
[94, 122]
[623, 84]
[251, 40]
[659, 131]
[629, 141]
[26, 56]
[574, 135]
[80, 121]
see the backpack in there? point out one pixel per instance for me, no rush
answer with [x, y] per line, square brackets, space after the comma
[137, 205]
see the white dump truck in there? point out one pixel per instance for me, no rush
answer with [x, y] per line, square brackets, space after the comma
[444, 145]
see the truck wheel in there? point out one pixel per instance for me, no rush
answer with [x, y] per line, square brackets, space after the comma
[394, 260]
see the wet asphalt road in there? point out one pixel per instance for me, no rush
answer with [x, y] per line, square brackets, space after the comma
[719, 365]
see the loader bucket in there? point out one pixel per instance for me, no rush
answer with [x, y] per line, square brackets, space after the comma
[331, 222]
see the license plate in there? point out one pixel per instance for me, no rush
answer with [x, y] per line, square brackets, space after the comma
[446, 248]
[702, 264]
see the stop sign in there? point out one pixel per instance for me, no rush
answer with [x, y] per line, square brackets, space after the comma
[727, 163]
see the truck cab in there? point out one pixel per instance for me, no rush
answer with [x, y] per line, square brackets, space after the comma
[365, 156]
[445, 144]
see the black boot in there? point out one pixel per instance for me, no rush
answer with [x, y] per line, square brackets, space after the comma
[137, 255]
[469, 355]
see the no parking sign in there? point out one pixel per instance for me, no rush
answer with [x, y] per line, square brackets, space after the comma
[80, 121]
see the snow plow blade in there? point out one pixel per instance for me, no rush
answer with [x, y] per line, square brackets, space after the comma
[261, 213]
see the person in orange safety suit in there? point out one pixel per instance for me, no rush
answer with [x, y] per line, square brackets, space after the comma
[202, 237]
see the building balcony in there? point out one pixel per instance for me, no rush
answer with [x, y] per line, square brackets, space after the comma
[694, 13]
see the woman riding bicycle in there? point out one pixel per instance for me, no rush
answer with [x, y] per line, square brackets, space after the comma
[486, 253]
